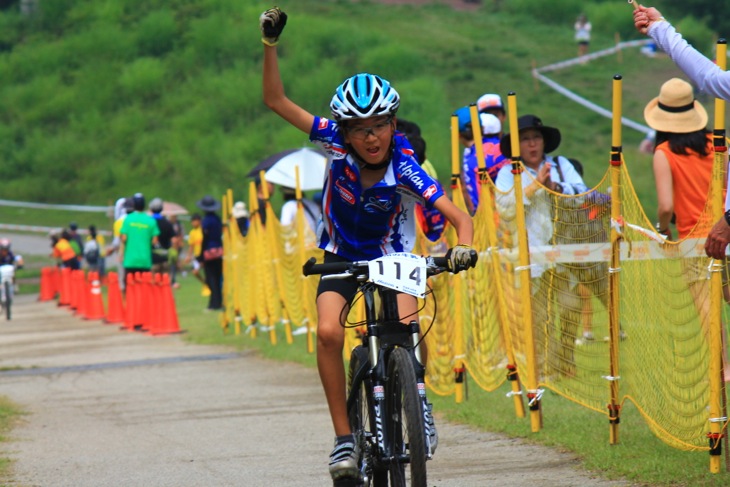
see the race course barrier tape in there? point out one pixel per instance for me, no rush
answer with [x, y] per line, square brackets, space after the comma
[48, 206]
[537, 73]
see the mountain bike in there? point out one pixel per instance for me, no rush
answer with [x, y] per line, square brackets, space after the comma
[7, 274]
[386, 401]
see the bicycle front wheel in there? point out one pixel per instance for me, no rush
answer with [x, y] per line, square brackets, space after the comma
[362, 424]
[404, 422]
[8, 299]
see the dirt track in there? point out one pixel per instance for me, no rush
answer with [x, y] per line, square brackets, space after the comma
[113, 408]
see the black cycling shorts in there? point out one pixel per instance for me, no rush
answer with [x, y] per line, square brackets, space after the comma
[347, 288]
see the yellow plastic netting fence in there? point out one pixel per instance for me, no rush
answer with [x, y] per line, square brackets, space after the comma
[602, 311]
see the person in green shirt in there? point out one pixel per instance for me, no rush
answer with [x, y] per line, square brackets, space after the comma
[138, 235]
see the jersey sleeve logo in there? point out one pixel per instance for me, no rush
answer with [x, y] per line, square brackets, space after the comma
[430, 191]
[323, 123]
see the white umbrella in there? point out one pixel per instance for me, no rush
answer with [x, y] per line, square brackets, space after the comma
[311, 165]
[169, 208]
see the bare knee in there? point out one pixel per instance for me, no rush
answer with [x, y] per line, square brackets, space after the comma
[330, 336]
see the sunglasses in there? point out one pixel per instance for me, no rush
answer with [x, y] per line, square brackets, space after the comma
[361, 133]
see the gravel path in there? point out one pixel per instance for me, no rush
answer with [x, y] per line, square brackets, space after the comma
[113, 408]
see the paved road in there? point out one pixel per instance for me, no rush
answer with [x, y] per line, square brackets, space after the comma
[113, 408]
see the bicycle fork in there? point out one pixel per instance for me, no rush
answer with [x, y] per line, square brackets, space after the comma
[420, 369]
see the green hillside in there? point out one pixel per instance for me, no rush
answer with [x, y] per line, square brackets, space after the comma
[102, 98]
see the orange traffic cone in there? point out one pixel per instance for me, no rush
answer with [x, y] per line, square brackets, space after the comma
[132, 304]
[74, 295]
[64, 297]
[145, 301]
[82, 292]
[115, 313]
[155, 304]
[169, 323]
[95, 302]
[47, 291]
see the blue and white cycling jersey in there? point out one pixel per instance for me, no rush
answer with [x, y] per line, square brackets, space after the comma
[362, 224]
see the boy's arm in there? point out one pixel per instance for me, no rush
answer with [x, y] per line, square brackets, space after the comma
[461, 221]
[272, 23]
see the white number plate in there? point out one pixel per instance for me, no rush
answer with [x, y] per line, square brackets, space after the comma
[401, 271]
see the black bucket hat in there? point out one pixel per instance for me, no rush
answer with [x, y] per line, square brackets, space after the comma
[208, 203]
[550, 135]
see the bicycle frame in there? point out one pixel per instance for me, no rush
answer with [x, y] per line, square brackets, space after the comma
[383, 336]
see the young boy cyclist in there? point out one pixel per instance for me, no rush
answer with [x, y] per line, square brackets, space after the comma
[369, 196]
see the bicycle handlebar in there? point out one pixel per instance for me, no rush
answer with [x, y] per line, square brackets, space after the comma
[435, 265]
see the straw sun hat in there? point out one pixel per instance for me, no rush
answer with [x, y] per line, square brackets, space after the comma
[675, 109]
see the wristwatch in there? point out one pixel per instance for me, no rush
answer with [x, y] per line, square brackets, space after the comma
[727, 217]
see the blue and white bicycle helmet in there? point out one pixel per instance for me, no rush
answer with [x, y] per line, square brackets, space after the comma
[362, 96]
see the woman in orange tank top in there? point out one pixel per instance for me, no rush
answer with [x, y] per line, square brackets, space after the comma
[683, 162]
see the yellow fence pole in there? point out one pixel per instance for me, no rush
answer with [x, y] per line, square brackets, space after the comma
[459, 350]
[487, 198]
[253, 260]
[613, 271]
[271, 246]
[224, 316]
[533, 394]
[232, 265]
[716, 411]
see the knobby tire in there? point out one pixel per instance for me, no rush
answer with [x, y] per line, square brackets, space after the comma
[361, 422]
[8, 299]
[404, 423]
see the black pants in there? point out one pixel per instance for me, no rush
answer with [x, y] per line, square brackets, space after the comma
[214, 280]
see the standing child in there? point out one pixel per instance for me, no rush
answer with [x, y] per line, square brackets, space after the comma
[371, 188]
[195, 251]
[582, 34]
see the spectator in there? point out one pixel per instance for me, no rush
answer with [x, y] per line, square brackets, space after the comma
[544, 176]
[469, 180]
[122, 208]
[683, 163]
[491, 103]
[94, 250]
[242, 216]
[62, 250]
[175, 248]
[683, 157]
[212, 248]
[139, 234]
[75, 240]
[289, 209]
[582, 34]
[161, 252]
[493, 159]
[708, 77]
[195, 252]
